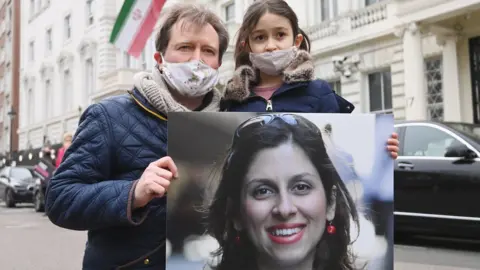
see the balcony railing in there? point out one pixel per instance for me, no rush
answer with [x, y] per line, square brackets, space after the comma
[350, 21]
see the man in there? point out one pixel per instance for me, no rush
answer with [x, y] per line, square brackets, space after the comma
[115, 174]
[67, 141]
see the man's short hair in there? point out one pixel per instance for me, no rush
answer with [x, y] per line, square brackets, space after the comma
[195, 15]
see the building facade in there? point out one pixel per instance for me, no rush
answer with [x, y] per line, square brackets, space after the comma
[68, 63]
[9, 63]
[413, 58]
[416, 59]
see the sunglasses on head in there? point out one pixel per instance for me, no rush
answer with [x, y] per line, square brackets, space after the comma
[262, 120]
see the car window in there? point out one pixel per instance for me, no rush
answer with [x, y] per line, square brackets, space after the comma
[427, 141]
[20, 173]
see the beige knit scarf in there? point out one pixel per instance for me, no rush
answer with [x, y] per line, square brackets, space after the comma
[154, 89]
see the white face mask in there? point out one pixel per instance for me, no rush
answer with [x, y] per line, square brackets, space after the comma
[273, 63]
[189, 79]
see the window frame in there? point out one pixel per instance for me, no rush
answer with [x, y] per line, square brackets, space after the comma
[226, 8]
[383, 110]
[67, 25]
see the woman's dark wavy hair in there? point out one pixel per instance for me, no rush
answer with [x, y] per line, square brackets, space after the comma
[332, 250]
[253, 14]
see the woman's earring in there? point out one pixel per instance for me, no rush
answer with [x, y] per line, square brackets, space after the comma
[243, 44]
[330, 228]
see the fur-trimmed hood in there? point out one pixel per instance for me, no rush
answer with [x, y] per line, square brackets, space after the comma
[301, 69]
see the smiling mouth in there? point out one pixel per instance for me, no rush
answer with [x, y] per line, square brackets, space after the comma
[286, 233]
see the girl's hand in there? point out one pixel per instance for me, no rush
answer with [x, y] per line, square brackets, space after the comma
[392, 145]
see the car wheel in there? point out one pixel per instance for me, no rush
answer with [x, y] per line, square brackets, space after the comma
[39, 207]
[9, 199]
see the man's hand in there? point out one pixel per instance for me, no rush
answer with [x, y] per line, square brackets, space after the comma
[154, 181]
[393, 145]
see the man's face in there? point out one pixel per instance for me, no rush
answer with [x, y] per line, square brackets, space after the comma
[190, 42]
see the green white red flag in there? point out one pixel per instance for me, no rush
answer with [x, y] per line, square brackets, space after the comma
[135, 24]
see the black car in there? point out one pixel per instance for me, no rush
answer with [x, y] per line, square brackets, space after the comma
[437, 179]
[16, 185]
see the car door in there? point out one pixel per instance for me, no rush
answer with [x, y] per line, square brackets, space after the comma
[409, 185]
[432, 185]
[3, 182]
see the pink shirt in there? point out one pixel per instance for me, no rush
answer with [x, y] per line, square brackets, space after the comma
[265, 92]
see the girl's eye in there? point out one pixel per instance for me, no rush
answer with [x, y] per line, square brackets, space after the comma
[258, 38]
[281, 34]
[184, 48]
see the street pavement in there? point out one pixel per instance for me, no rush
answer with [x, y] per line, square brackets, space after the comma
[28, 241]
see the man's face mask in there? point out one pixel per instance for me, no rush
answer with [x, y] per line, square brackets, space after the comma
[273, 63]
[189, 79]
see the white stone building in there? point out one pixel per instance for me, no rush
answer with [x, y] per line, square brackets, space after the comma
[68, 63]
[416, 58]
[60, 40]
[6, 74]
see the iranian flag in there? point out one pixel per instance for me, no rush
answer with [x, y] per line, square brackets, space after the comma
[135, 24]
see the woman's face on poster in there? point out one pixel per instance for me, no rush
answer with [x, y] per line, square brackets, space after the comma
[284, 205]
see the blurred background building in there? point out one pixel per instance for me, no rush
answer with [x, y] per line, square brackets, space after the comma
[67, 63]
[9, 76]
[416, 59]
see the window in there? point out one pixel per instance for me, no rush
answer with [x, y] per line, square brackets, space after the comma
[230, 12]
[371, 2]
[31, 107]
[20, 173]
[67, 26]
[89, 12]
[31, 48]
[127, 60]
[329, 9]
[48, 40]
[380, 91]
[67, 88]
[144, 60]
[48, 96]
[89, 76]
[427, 141]
[434, 78]
[32, 8]
[336, 86]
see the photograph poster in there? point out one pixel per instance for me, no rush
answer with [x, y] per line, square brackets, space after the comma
[260, 190]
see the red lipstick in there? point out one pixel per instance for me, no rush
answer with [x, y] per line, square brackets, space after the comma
[286, 233]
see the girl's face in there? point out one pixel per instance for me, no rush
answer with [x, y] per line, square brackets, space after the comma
[283, 206]
[272, 32]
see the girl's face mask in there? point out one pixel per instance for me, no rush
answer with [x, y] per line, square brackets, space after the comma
[273, 63]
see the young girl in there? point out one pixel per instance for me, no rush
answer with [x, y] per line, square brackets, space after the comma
[274, 70]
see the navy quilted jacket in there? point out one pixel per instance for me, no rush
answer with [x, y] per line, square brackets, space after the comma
[302, 97]
[93, 187]
[300, 92]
